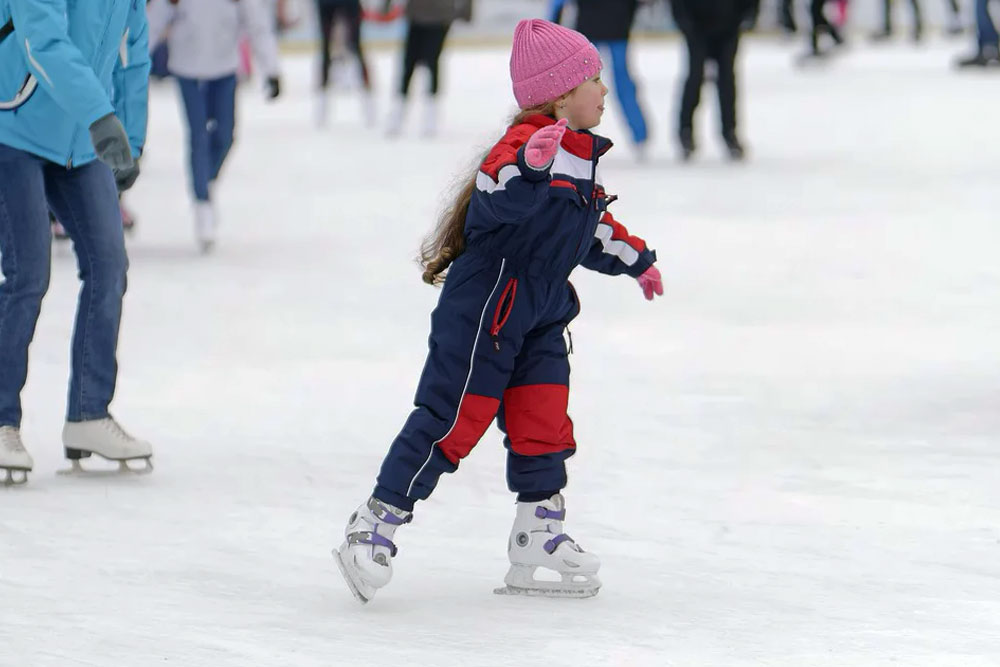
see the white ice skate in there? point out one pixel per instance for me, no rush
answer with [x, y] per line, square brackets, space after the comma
[204, 226]
[106, 438]
[365, 557]
[537, 541]
[14, 458]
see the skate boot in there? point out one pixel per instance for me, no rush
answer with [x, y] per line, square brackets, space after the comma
[204, 226]
[985, 57]
[687, 143]
[735, 149]
[537, 540]
[365, 557]
[106, 438]
[14, 458]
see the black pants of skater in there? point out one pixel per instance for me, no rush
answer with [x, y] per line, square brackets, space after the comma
[917, 20]
[786, 15]
[821, 25]
[720, 48]
[424, 44]
[328, 17]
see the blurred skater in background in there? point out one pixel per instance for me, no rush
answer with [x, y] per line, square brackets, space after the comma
[204, 38]
[429, 22]
[608, 24]
[712, 32]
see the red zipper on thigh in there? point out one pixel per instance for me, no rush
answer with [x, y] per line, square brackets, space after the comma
[502, 313]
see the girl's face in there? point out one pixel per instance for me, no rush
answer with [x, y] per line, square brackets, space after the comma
[584, 105]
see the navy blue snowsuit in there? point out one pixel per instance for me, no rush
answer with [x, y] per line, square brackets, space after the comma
[496, 342]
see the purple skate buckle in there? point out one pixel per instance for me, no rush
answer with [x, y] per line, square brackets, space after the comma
[385, 515]
[545, 513]
[369, 537]
[552, 544]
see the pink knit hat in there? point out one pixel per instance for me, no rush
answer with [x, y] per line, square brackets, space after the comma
[548, 60]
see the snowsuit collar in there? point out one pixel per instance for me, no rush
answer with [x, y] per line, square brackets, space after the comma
[581, 143]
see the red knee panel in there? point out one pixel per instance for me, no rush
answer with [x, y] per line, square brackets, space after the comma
[475, 415]
[536, 419]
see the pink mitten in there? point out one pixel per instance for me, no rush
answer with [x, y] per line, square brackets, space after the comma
[543, 144]
[651, 282]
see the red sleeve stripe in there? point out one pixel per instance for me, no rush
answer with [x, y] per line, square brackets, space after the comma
[617, 241]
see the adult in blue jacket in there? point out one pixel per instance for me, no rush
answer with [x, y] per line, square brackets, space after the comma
[73, 101]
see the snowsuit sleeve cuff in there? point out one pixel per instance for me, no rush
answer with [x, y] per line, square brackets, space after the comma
[646, 259]
[530, 173]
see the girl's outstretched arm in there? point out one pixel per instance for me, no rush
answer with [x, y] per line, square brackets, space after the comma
[614, 251]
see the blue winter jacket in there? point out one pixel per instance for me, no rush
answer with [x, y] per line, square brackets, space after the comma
[67, 63]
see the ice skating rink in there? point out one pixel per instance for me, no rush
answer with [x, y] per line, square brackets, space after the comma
[792, 459]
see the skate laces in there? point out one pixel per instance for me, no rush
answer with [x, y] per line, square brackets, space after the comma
[10, 438]
[116, 430]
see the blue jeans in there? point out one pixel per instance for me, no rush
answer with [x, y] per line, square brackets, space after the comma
[626, 89]
[985, 29]
[211, 114]
[85, 201]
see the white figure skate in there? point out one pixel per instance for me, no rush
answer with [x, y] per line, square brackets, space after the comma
[205, 224]
[14, 458]
[537, 540]
[106, 438]
[365, 557]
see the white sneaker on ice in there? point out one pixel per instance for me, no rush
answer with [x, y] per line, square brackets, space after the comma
[537, 540]
[13, 457]
[204, 225]
[106, 438]
[365, 557]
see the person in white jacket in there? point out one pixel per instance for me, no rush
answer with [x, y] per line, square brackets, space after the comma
[203, 39]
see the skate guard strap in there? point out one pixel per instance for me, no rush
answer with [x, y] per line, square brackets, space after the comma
[368, 537]
[552, 544]
[545, 513]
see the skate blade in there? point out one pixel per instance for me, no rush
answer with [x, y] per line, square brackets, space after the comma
[548, 592]
[76, 470]
[352, 584]
[10, 480]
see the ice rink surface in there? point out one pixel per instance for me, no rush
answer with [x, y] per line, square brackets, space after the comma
[792, 459]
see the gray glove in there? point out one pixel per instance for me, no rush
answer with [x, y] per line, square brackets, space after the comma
[111, 142]
[125, 178]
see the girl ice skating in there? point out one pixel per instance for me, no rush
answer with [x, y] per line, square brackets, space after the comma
[534, 211]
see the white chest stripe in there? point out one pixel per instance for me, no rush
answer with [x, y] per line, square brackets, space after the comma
[486, 184]
[567, 164]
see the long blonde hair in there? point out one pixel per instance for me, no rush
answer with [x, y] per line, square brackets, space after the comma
[443, 245]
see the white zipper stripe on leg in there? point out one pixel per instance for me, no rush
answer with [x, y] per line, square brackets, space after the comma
[468, 378]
